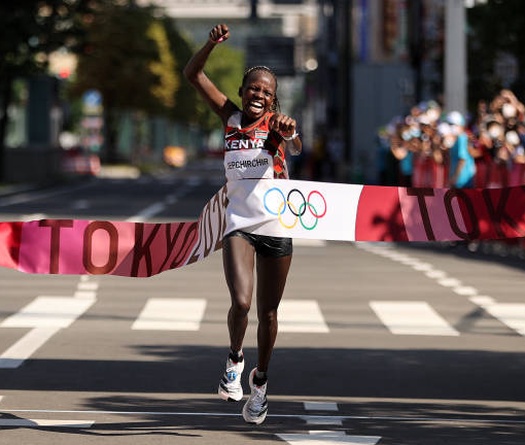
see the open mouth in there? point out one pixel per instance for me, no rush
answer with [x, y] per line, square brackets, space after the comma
[255, 106]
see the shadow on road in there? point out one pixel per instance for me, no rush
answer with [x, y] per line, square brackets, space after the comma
[408, 393]
[331, 372]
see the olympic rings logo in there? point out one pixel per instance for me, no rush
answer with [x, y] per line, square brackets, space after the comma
[294, 207]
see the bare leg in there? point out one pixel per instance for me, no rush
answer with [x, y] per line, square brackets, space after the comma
[238, 264]
[271, 279]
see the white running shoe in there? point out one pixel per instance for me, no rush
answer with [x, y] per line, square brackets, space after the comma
[256, 408]
[230, 387]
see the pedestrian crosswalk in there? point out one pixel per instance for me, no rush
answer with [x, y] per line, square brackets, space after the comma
[308, 317]
[511, 314]
[301, 316]
[46, 315]
[304, 316]
[171, 314]
[411, 318]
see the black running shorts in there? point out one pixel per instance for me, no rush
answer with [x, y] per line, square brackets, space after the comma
[267, 246]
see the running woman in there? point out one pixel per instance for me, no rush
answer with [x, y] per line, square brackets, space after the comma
[256, 138]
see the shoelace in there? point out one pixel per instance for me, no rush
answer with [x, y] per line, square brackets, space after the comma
[260, 394]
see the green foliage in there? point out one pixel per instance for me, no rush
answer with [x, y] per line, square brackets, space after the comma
[118, 57]
[133, 55]
[185, 106]
[225, 67]
[31, 29]
[128, 56]
[164, 68]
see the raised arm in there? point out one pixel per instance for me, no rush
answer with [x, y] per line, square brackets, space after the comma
[194, 72]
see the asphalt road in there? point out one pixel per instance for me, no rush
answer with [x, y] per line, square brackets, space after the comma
[379, 344]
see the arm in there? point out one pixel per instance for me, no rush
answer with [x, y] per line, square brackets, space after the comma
[463, 153]
[295, 146]
[397, 148]
[456, 173]
[194, 72]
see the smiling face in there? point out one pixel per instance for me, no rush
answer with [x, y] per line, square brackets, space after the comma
[257, 94]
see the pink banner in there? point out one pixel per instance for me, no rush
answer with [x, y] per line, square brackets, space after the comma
[111, 247]
[342, 211]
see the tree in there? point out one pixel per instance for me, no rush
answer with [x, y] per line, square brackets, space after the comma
[29, 31]
[164, 68]
[185, 105]
[128, 58]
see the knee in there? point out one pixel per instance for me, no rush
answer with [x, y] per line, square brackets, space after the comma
[268, 316]
[240, 307]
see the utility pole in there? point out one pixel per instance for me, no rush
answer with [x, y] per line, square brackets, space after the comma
[253, 10]
[455, 56]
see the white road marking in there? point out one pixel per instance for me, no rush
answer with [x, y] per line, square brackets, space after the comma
[49, 423]
[449, 282]
[171, 314]
[423, 267]
[46, 315]
[322, 420]
[24, 348]
[465, 290]
[435, 274]
[482, 300]
[87, 285]
[510, 314]
[411, 318]
[86, 289]
[495, 420]
[148, 212]
[328, 438]
[321, 406]
[88, 295]
[34, 217]
[326, 433]
[301, 316]
[20, 198]
[43, 311]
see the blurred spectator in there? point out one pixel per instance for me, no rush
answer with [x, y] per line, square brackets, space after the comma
[401, 146]
[462, 165]
[436, 150]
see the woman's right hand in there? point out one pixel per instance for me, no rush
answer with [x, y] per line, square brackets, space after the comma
[219, 33]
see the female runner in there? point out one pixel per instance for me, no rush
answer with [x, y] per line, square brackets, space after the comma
[256, 138]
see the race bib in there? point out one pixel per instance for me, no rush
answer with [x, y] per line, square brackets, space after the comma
[248, 164]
